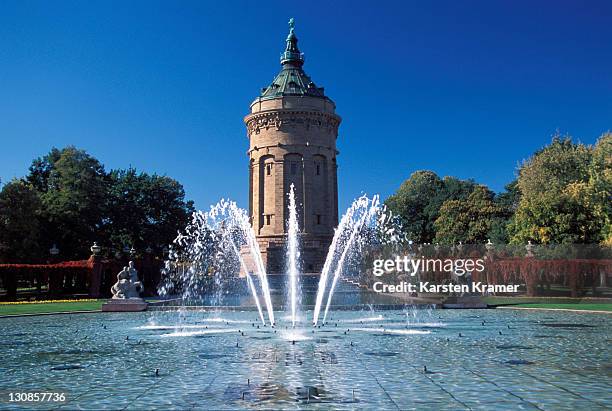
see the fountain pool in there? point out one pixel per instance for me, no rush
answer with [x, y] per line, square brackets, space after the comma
[358, 360]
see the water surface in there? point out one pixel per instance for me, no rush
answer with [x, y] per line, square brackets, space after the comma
[474, 359]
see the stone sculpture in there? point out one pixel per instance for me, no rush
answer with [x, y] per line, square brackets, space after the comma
[127, 285]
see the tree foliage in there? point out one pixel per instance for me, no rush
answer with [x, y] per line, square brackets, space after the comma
[73, 187]
[70, 200]
[507, 201]
[145, 210]
[20, 206]
[419, 199]
[468, 220]
[565, 194]
[600, 185]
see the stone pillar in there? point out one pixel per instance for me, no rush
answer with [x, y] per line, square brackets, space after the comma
[56, 283]
[10, 281]
[95, 276]
[573, 284]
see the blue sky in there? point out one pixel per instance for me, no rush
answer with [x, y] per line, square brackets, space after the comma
[466, 88]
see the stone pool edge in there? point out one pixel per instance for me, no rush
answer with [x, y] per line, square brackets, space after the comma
[51, 313]
[242, 309]
[554, 309]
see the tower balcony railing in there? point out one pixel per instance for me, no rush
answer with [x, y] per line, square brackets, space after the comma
[290, 55]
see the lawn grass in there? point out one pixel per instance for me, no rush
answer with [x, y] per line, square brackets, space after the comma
[571, 306]
[501, 300]
[557, 303]
[41, 308]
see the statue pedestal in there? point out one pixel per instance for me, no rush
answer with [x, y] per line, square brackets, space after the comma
[125, 305]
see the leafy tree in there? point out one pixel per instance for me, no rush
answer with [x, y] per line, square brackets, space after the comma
[595, 195]
[508, 202]
[468, 220]
[40, 169]
[600, 181]
[19, 223]
[418, 200]
[145, 210]
[555, 205]
[411, 201]
[73, 187]
[510, 198]
[69, 199]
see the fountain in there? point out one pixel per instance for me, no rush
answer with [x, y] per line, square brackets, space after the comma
[218, 360]
[365, 222]
[207, 256]
[293, 255]
[367, 209]
[251, 284]
[209, 249]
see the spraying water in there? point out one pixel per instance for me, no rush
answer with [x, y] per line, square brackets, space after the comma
[261, 271]
[204, 260]
[329, 259]
[367, 214]
[349, 229]
[209, 249]
[251, 284]
[292, 255]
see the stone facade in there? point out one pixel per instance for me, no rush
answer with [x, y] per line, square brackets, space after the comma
[292, 129]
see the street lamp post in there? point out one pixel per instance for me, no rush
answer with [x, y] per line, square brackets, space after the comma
[95, 249]
[489, 246]
[529, 247]
[95, 280]
[54, 250]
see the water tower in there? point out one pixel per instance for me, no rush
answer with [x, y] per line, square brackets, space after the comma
[292, 129]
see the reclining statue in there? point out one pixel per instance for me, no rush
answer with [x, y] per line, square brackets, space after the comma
[127, 285]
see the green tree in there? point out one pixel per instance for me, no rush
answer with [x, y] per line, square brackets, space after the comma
[73, 187]
[40, 169]
[411, 202]
[418, 200]
[469, 220]
[20, 233]
[600, 181]
[145, 210]
[555, 204]
[508, 201]
[69, 199]
[595, 195]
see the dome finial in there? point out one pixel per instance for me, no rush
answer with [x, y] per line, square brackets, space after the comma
[292, 54]
[291, 24]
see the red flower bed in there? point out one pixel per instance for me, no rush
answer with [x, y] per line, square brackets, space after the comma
[533, 271]
[82, 267]
[86, 264]
[60, 277]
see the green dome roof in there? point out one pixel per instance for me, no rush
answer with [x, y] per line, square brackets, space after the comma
[292, 80]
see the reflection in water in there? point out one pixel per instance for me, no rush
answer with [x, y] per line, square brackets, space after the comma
[381, 360]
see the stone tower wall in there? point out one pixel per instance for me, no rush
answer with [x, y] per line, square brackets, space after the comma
[293, 140]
